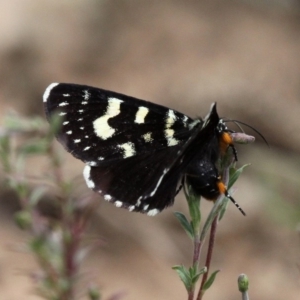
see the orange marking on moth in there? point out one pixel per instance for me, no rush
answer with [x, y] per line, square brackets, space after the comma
[225, 141]
[221, 187]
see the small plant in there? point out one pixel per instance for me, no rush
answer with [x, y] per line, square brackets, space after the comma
[192, 275]
[56, 239]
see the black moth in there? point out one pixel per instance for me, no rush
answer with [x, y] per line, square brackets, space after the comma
[136, 152]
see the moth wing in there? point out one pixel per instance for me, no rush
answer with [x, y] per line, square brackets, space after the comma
[99, 125]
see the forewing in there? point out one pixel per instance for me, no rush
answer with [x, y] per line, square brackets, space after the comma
[99, 125]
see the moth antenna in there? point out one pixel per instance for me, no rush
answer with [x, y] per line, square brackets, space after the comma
[239, 126]
[234, 202]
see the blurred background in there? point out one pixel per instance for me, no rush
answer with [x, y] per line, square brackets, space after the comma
[244, 55]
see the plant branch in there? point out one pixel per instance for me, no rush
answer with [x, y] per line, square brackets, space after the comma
[213, 231]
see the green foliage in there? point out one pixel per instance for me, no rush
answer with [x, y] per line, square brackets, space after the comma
[187, 226]
[189, 276]
[210, 280]
[235, 174]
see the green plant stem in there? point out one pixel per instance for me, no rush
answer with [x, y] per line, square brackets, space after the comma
[196, 258]
[209, 254]
[197, 250]
[191, 294]
[245, 296]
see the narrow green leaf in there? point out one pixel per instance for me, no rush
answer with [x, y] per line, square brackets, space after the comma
[195, 274]
[193, 200]
[195, 214]
[184, 275]
[193, 270]
[235, 174]
[210, 280]
[185, 224]
[223, 208]
[36, 195]
[189, 277]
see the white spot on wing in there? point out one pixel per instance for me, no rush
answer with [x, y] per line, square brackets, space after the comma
[153, 212]
[184, 120]
[86, 95]
[101, 126]
[169, 133]
[141, 115]
[172, 142]
[138, 202]
[66, 122]
[86, 148]
[107, 197]
[100, 158]
[118, 204]
[170, 118]
[69, 132]
[92, 163]
[147, 137]
[131, 207]
[62, 113]
[128, 149]
[86, 175]
[66, 95]
[48, 91]
[77, 141]
[63, 103]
